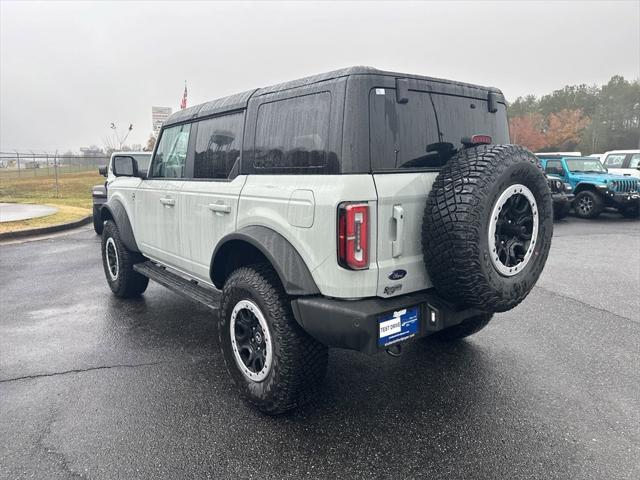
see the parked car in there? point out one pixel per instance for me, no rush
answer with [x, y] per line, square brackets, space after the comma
[561, 196]
[595, 188]
[623, 162]
[356, 209]
[99, 192]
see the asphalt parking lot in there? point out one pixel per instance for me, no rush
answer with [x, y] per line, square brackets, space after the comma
[96, 387]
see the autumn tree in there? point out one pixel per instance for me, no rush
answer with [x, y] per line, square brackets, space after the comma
[528, 130]
[564, 129]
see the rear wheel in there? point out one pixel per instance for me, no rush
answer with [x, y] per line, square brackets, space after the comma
[468, 327]
[275, 364]
[588, 204]
[118, 263]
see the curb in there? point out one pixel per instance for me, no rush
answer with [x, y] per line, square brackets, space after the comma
[43, 230]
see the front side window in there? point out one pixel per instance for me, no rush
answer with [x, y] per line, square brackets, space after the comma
[634, 161]
[615, 160]
[171, 154]
[293, 134]
[554, 167]
[218, 145]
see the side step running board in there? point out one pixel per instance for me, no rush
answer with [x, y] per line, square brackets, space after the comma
[179, 285]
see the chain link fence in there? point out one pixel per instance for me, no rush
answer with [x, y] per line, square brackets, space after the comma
[19, 165]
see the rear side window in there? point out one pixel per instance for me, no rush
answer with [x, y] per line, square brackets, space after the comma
[218, 144]
[427, 131]
[292, 135]
[615, 160]
[171, 154]
[554, 167]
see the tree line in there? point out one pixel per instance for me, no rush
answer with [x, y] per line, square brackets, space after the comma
[591, 119]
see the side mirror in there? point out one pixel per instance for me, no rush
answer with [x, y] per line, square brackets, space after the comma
[125, 166]
[102, 170]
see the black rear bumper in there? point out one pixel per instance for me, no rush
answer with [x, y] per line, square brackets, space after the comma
[354, 324]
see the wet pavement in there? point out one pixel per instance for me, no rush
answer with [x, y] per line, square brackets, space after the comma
[12, 212]
[96, 387]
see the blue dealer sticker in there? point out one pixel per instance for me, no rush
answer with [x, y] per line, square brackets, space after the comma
[397, 326]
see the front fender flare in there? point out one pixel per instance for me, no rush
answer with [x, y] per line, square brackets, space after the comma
[285, 259]
[114, 210]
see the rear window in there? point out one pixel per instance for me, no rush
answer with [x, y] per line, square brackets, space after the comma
[425, 132]
[292, 135]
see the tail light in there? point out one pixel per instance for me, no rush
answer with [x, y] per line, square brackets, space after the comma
[353, 235]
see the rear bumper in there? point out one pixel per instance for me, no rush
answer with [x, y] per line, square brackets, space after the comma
[354, 324]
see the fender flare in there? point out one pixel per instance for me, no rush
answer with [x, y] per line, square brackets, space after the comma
[285, 259]
[114, 210]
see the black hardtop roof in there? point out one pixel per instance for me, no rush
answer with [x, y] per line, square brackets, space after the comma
[239, 101]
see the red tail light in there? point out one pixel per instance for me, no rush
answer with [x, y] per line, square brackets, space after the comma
[353, 235]
[476, 140]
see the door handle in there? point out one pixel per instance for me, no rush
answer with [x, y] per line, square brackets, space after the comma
[167, 201]
[220, 207]
[397, 244]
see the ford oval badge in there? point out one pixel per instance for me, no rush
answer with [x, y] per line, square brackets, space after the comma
[397, 274]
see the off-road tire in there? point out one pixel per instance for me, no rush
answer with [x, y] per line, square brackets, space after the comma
[455, 229]
[468, 327]
[299, 362]
[596, 201]
[631, 212]
[561, 211]
[98, 224]
[128, 283]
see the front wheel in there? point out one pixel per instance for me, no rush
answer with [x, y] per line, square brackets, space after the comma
[588, 204]
[274, 363]
[118, 263]
[98, 224]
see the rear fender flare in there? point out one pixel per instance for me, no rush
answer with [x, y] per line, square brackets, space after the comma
[285, 259]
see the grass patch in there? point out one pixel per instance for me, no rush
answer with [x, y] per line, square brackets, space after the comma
[65, 214]
[73, 197]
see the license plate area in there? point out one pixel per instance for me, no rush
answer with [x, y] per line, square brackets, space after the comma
[397, 326]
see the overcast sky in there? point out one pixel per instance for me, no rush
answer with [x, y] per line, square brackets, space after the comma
[69, 69]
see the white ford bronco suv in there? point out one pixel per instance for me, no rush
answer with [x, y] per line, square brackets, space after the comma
[355, 209]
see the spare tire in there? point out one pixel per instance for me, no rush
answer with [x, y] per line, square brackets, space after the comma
[487, 227]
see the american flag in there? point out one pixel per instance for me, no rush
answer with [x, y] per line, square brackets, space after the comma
[183, 103]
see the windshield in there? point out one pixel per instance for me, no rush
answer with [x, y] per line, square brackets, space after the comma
[143, 160]
[585, 165]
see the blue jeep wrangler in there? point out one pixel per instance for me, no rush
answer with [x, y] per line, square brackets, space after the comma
[594, 188]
